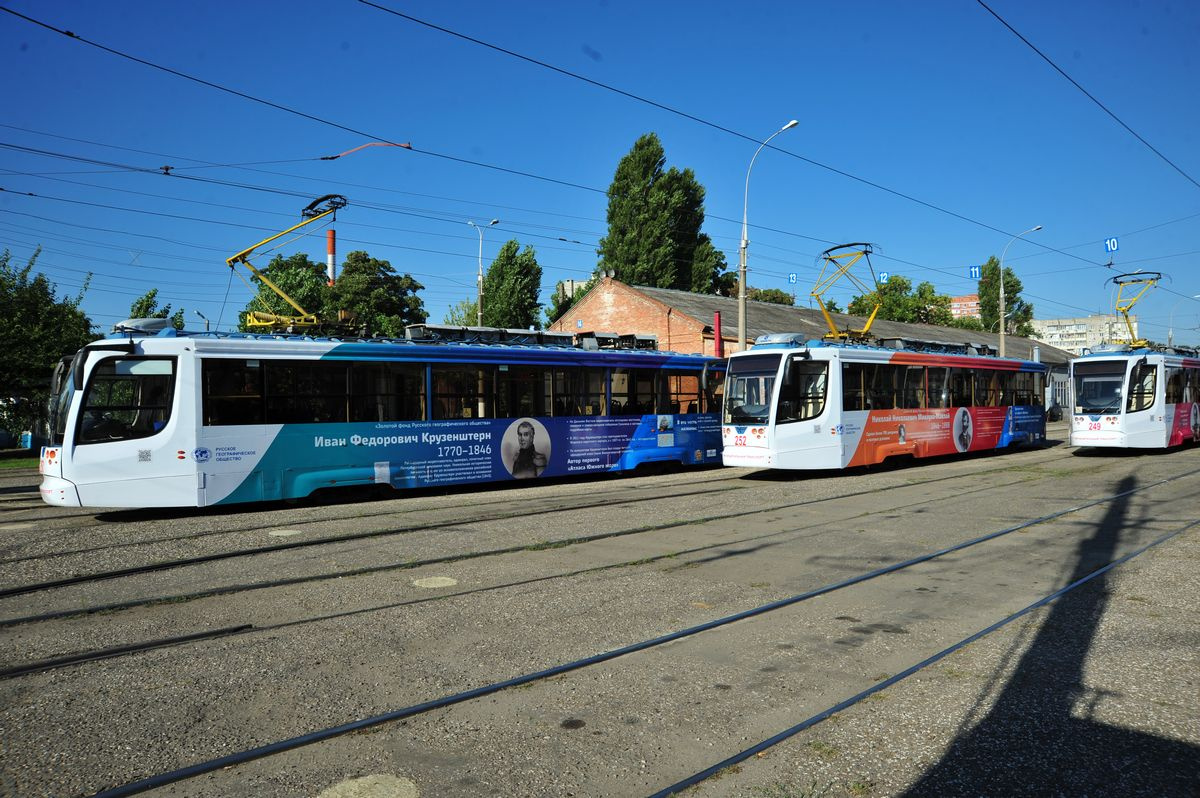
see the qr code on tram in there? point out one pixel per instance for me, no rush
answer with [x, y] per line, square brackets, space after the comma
[143, 455]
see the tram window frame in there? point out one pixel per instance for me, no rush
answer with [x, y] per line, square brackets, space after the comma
[855, 387]
[1143, 384]
[936, 387]
[914, 387]
[231, 392]
[463, 391]
[387, 391]
[632, 391]
[124, 413]
[680, 391]
[804, 390]
[961, 387]
[522, 390]
[1175, 386]
[306, 391]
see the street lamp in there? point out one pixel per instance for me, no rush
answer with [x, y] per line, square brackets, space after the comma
[1002, 254]
[1171, 321]
[478, 229]
[201, 315]
[746, 242]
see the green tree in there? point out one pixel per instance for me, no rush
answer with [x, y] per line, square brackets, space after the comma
[146, 307]
[1018, 311]
[37, 329]
[379, 299]
[775, 296]
[511, 287]
[654, 221]
[900, 302]
[832, 306]
[464, 314]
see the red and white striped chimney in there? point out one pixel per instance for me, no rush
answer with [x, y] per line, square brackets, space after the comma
[330, 255]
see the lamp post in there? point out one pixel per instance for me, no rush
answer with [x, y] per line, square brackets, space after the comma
[1002, 254]
[479, 306]
[1171, 321]
[201, 315]
[746, 242]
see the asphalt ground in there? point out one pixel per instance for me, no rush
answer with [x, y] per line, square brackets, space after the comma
[1094, 693]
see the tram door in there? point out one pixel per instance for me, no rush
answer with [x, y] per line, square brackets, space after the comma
[129, 445]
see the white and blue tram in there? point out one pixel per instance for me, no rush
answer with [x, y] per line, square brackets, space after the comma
[1135, 398]
[793, 403]
[172, 418]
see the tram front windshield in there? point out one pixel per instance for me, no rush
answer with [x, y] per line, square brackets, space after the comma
[1098, 386]
[748, 387]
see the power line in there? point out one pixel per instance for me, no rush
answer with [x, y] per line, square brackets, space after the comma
[1088, 94]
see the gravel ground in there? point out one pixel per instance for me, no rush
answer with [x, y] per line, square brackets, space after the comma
[1092, 695]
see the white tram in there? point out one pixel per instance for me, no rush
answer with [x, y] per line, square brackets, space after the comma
[808, 404]
[1135, 398]
[160, 418]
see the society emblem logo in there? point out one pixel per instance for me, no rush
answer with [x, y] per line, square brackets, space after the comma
[201, 455]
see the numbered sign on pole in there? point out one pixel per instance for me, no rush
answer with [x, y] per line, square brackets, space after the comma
[975, 272]
[883, 277]
[1110, 245]
[792, 278]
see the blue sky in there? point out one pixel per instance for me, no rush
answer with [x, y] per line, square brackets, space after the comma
[927, 128]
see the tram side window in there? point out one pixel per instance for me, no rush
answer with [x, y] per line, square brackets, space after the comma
[802, 395]
[681, 392]
[938, 386]
[387, 392]
[961, 387]
[232, 392]
[882, 378]
[569, 396]
[913, 394]
[463, 392]
[1141, 387]
[306, 392]
[714, 391]
[1176, 378]
[1192, 391]
[127, 398]
[987, 388]
[1021, 389]
[522, 391]
[854, 386]
[632, 392]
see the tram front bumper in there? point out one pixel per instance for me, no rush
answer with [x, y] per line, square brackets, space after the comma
[59, 492]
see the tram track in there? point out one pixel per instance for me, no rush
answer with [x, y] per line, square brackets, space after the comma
[150, 568]
[483, 513]
[546, 674]
[672, 554]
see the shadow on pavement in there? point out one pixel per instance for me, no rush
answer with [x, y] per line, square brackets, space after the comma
[1040, 737]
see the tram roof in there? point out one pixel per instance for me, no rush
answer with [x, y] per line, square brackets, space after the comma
[552, 347]
[948, 352]
[1126, 351]
[763, 318]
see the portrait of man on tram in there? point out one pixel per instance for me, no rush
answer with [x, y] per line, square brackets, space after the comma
[526, 448]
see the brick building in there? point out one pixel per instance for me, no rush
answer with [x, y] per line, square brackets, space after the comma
[685, 322]
[966, 306]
